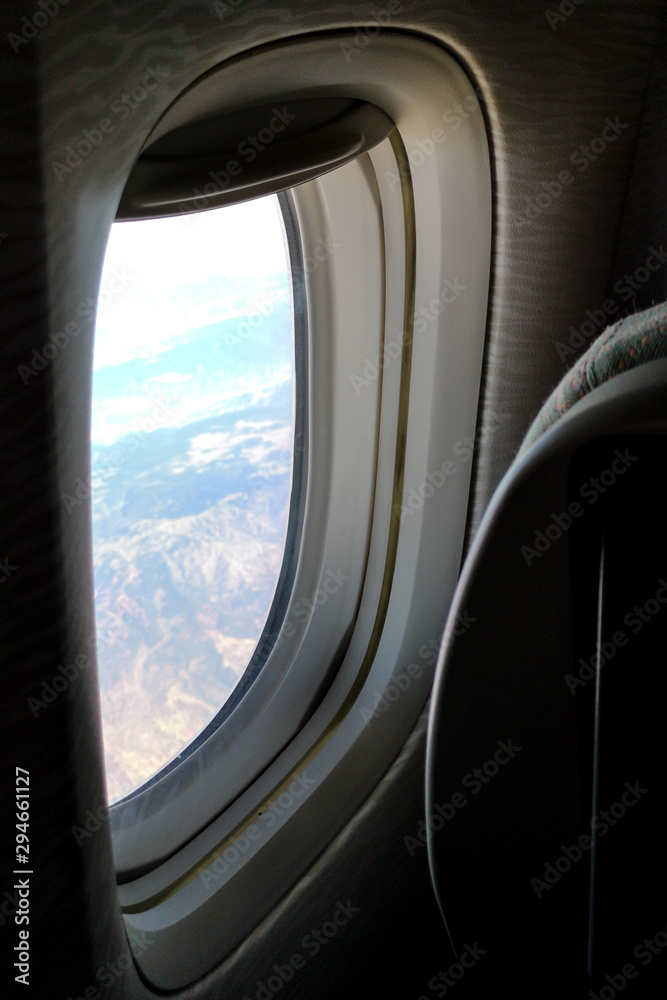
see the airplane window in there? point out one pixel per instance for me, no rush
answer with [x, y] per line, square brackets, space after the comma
[216, 836]
[192, 447]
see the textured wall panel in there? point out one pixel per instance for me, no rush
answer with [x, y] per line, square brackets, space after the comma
[548, 89]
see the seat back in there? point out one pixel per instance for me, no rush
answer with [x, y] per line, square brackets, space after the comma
[547, 746]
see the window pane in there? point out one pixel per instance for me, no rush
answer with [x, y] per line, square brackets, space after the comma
[192, 438]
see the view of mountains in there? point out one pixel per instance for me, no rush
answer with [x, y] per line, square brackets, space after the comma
[192, 462]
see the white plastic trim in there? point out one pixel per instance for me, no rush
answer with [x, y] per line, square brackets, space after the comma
[196, 919]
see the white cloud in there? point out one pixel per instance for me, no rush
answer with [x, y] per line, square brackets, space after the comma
[179, 404]
[183, 273]
[170, 377]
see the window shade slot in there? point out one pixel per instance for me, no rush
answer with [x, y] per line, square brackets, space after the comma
[249, 152]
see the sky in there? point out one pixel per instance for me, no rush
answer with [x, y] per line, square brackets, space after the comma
[164, 279]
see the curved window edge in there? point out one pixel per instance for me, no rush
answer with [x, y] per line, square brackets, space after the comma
[299, 479]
